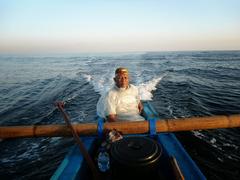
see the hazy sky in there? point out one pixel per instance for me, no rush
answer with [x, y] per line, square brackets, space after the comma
[75, 26]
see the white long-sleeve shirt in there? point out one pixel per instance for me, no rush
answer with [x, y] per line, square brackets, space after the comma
[122, 102]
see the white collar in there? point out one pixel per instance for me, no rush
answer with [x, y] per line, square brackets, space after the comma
[122, 89]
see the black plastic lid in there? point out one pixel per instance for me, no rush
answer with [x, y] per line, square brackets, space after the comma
[136, 151]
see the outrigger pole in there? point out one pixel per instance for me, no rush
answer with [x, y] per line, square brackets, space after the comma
[126, 127]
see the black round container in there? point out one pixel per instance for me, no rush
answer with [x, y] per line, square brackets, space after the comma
[135, 157]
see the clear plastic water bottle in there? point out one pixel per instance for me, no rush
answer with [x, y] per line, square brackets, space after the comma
[103, 161]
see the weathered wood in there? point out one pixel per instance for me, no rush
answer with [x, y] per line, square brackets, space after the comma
[126, 127]
[176, 169]
[82, 148]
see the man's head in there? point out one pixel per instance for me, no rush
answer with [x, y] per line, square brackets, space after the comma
[121, 77]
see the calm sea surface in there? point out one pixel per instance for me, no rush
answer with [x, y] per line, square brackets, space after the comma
[179, 84]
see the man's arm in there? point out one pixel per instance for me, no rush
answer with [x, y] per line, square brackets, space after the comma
[111, 118]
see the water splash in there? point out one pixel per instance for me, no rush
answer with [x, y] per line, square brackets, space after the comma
[145, 89]
[101, 84]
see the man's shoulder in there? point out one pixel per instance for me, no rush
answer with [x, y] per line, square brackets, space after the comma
[133, 88]
[111, 91]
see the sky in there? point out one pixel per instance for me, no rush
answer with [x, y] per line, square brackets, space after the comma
[85, 26]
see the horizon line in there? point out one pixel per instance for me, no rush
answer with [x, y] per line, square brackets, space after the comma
[111, 52]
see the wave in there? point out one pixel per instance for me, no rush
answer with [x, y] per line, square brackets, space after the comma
[104, 83]
[145, 89]
[100, 83]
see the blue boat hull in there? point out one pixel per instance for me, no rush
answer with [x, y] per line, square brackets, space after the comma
[74, 167]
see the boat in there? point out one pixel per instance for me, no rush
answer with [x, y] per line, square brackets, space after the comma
[173, 160]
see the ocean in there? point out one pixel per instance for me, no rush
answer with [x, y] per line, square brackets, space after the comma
[178, 84]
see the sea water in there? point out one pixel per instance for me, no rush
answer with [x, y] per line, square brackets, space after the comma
[179, 84]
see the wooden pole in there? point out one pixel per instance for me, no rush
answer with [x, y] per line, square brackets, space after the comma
[82, 148]
[176, 169]
[126, 127]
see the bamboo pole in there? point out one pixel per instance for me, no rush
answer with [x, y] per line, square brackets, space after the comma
[128, 127]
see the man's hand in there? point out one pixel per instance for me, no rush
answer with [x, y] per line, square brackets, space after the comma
[112, 118]
[140, 107]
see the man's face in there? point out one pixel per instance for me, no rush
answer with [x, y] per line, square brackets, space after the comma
[121, 80]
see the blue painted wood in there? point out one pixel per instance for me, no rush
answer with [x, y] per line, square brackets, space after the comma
[71, 167]
[72, 163]
[172, 147]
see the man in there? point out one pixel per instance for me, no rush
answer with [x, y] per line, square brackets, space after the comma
[122, 102]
